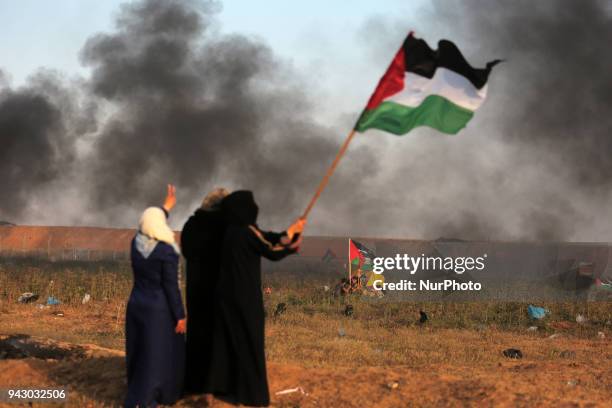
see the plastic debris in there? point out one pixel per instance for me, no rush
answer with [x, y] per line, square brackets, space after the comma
[423, 319]
[554, 336]
[601, 335]
[513, 353]
[86, 298]
[280, 309]
[580, 319]
[326, 288]
[393, 385]
[51, 301]
[291, 391]
[58, 313]
[572, 383]
[536, 312]
[27, 297]
[348, 310]
[532, 328]
[341, 332]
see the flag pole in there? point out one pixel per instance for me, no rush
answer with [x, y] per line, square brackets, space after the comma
[349, 260]
[330, 171]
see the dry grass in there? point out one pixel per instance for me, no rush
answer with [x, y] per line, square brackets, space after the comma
[455, 359]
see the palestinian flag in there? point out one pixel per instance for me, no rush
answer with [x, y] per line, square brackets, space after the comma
[425, 87]
[361, 256]
[355, 256]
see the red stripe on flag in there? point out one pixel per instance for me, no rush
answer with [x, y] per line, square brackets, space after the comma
[354, 252]
[392, 82]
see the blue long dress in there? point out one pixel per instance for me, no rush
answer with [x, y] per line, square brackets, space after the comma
[154, 352]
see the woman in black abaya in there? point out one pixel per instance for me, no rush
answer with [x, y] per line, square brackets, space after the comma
[238, 366]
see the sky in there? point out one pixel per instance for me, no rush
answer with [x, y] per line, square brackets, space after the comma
[51, 34]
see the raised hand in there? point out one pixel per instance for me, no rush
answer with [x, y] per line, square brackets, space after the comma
[170, 200]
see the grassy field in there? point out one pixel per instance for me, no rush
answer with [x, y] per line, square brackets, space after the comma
[455, 359]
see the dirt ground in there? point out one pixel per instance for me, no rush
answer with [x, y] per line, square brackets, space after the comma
[429, 367]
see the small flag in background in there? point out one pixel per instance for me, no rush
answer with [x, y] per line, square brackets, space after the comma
[356, 258]
[425, 87]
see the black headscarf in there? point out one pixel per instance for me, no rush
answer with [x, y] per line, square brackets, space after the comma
[239, 208]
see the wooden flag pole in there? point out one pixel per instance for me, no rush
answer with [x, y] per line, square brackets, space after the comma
[330, 171]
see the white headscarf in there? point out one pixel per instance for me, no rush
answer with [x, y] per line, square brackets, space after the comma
[153, 228]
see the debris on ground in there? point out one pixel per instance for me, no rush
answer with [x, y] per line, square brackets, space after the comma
[536, 312]
[280, 309]
[554, 336]
[58, 313]
[325, 288]
[424, 318]
[393, 385]
[341, 332]
[348, 310]
[513, 353]
[27, 297]
[51, 301]
[581, 319]
[86, 298]
[532, 328]
[572, 383]
[291, 391]
[601, 335]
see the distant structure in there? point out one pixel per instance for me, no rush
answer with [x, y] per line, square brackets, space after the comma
[6, 224]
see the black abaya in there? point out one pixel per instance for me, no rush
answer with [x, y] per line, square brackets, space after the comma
[238, 369]
[201, 242]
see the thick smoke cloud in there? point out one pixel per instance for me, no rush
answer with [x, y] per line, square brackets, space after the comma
[170, 98]
[197, 108]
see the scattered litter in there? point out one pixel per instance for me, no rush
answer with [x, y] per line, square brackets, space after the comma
[52, 301]
[580, 319]
[561, 325]
[536, 312]
[572, 383]
[280, 309]
[392, 385]
[532, 328]
[326, 288]
[27, 297]
[348, 310]
[86, 298]
[341, 332]
[513, 353]
[554, 336]
[423, 317]
[567, 354]
[268, 290]
[58, 313]
[601, 335]
[291, 391]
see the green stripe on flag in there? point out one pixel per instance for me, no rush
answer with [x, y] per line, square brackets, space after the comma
[435, 111]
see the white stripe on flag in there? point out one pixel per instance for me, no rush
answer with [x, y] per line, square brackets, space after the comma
[446, 83]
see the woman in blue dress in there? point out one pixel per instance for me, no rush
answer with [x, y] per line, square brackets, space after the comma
[155, 318]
